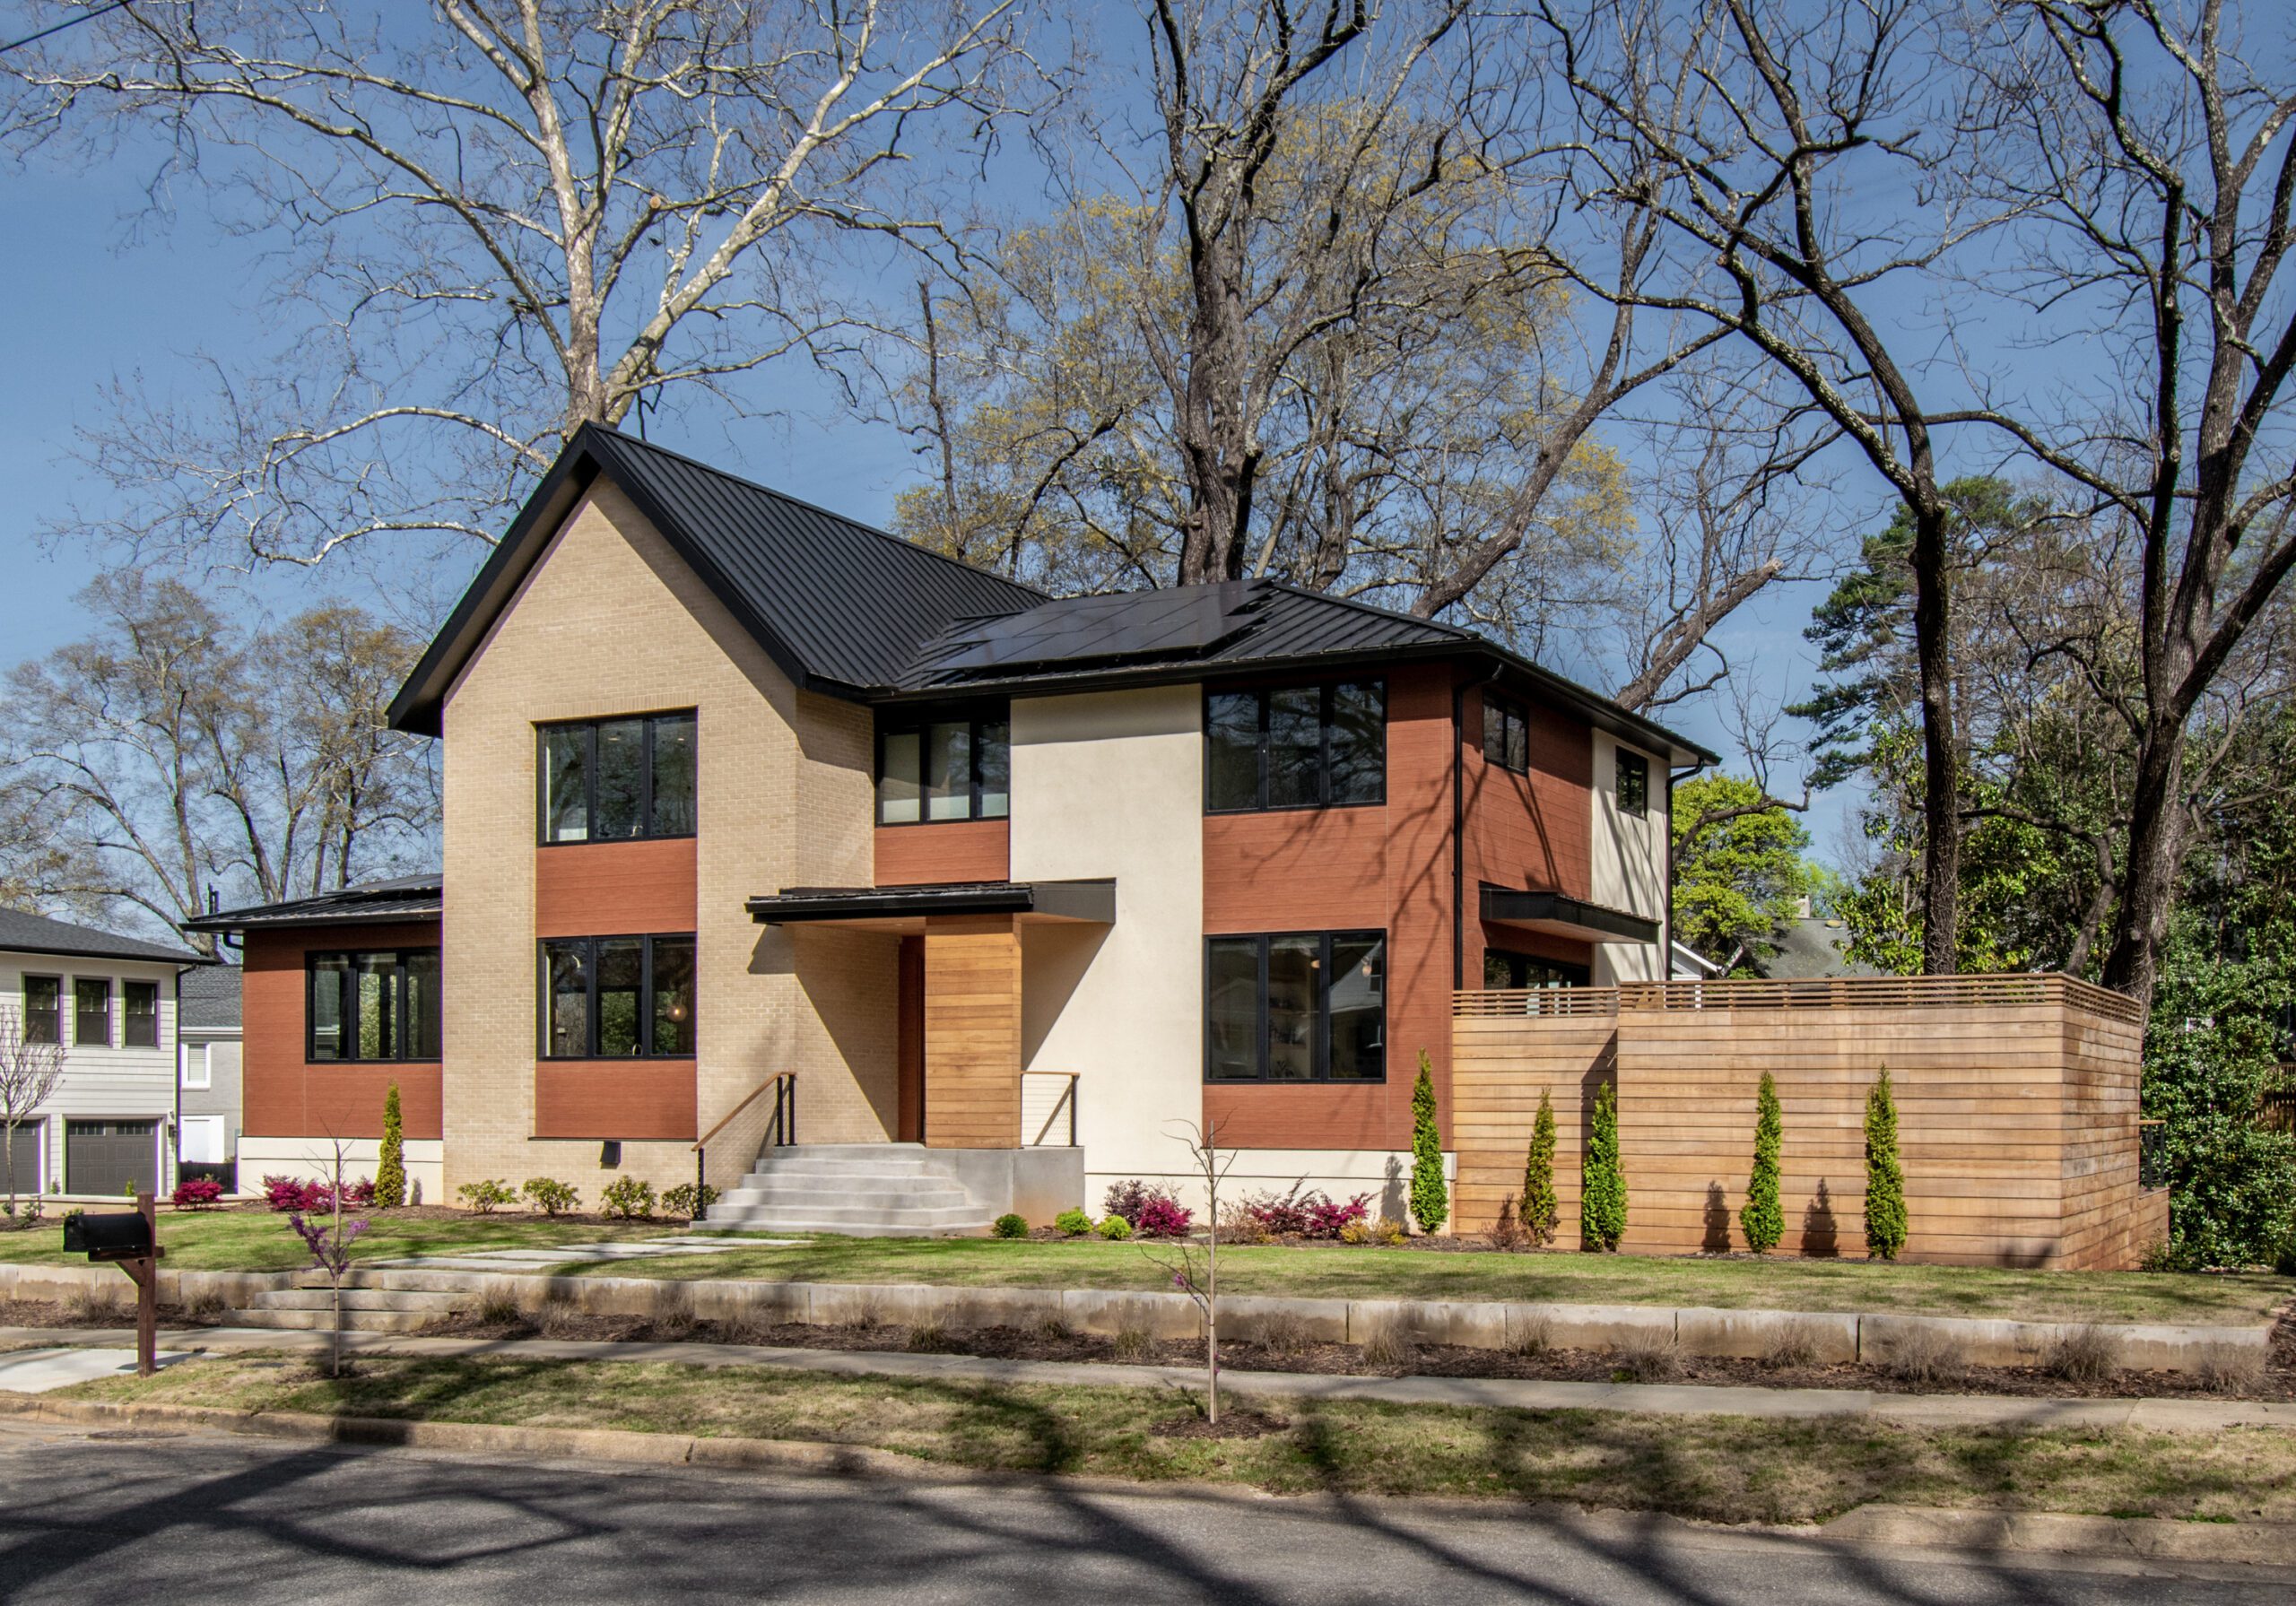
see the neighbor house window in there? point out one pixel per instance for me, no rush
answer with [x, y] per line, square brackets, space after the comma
[950, 768]
[1299, 1006]
[378, 1004]
[1516, 970]
[43, 1008]
[1296, 747]
[608, 998]
[618, 780]
[198, 1065]
[139, 1015]
[1633, 782]
[1506, 733]
[92, 1012]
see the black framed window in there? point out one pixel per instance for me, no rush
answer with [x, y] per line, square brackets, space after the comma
[1633, 782]
[43, 1008]
[1296, 1006]
[1502, 969]
[139, 1014]
[618, 780]
[1295, 747]
[92, 1010]
[612, 998]
[950, 765]
[372, 1004]
[1506, 733]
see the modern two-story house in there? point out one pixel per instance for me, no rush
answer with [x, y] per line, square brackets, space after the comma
[763, 823]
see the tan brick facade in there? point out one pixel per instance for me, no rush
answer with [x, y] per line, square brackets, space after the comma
[611, 621]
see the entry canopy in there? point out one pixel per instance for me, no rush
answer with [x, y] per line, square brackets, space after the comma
[1555, 916]
[900, 908]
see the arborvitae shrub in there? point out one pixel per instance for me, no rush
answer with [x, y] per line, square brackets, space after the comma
[390, 1171]
[1602, 1195]
[1884, 1176]
[1542, 1212]
[1430, 1200]
[1763, 1220]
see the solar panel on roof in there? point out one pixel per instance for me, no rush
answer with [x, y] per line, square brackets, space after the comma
[1184, 618]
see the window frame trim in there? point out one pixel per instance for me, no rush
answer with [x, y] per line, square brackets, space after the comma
[1264, 690]
[111, 1011]
[974, 717]
[1321, 1076]
[544, 998]
[1619, 755]
[589, 727]
[125, 1015]
[346, 1020]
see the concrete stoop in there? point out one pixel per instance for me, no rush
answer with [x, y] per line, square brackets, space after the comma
[371, 1305]
[859, 1190]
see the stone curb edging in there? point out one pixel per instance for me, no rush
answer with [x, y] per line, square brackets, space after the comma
[1879, 1526]
[1831, 1338]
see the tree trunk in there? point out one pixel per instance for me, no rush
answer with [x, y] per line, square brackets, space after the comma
[1941, 869]
[2157, 830]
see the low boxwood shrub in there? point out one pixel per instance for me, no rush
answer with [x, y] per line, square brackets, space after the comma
[196, 1192]
[689, 1199]
[550, 1196]
[1075, 1223]
[1116, 1228]
[1011, 1224]
[628, 1197]
[487, 1196]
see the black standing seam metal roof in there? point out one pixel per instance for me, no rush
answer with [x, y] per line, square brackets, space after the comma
[403, 898]
[23, 931]
[853, 612]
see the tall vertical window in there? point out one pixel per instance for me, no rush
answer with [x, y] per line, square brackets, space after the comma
[198, 1065]
[378, 1004]
[952, 767]
[139, 1014]
[1633, 782]
[618, 780]
[1296, 1006]
[92, 1012]
[1296, 747]
[1506, 733]
[43, 1008]
[618, 998]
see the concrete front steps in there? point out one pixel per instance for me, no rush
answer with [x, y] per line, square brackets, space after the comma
[857, 1190]
[372, 1302]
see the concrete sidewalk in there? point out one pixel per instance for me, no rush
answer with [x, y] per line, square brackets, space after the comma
[1923, 1411]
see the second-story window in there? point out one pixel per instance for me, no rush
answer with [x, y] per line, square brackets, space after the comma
[92, 1010]
[951, 767]
[139, 1020]
[617, 780]
[43, 1008]
[1633, 782]
[1506, 733]
[1296, 747]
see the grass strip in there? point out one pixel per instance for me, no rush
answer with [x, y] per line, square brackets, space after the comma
[1718, 1469]
[262, 1241]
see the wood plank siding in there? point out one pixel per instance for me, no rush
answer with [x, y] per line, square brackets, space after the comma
[972, 1035]
[2016, 1111]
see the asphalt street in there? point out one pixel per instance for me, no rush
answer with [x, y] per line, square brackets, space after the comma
[122, 1517]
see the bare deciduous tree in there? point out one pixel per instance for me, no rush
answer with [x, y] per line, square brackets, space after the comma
[30, 1069]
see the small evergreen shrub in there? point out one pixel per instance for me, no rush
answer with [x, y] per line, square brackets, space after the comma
[1116, 1228]
[486, 1197]
[1075, 1223]
[1602, 1194]
[197, 1193]
[1763, 1219]
[688, 1199]
[1885, 1222]
[627, 1196]
[390, 1170]
[1540, 1211]
[551, 1196]
[1012, 1224]
[1430, 1200]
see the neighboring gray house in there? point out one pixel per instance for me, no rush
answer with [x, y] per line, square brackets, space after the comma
[207, 1083]
[110, 1001]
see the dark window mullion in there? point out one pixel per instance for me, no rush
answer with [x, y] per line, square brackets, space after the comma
[1266, 1058]
[646, 999]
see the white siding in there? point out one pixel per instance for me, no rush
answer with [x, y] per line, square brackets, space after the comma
[1629, 867]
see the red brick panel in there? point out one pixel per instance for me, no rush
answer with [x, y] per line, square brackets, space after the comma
[616, 1099]
[611, 889]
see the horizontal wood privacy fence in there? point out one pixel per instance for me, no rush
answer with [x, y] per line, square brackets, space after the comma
[2017, 1110]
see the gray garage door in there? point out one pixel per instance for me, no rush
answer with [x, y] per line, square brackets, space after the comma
[20, 1160]
[105, 1156]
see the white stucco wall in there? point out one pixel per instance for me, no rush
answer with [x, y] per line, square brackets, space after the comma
[1630, 865]
[1111, 784]
[312, 1159]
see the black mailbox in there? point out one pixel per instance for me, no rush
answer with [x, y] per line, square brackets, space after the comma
[117, 1236]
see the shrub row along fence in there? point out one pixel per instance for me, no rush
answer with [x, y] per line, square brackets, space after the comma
[2017, 1110]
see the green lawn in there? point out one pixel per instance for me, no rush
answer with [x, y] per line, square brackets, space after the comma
[1720, 1469]
[235, 1240]
[1782, 1284]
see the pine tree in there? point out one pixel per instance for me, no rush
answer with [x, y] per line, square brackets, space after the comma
[1602, 1194]
[1762, 1218]
[1540, 1211]
[1885, 1222]
[390, 1171]
[1430, 1201]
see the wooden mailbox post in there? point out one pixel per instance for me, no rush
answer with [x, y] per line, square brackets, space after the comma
[130, 1240]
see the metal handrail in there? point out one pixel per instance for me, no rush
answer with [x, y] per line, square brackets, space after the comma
[783, 1086]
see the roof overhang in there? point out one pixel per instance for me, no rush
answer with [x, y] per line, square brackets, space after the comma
[1553, 915]
[351, 906]
[907, 908]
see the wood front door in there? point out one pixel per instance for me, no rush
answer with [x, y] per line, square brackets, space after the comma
[908, 1113]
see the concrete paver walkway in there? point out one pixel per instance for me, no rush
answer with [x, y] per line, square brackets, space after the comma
[1926, 1411]
[37, 1371]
